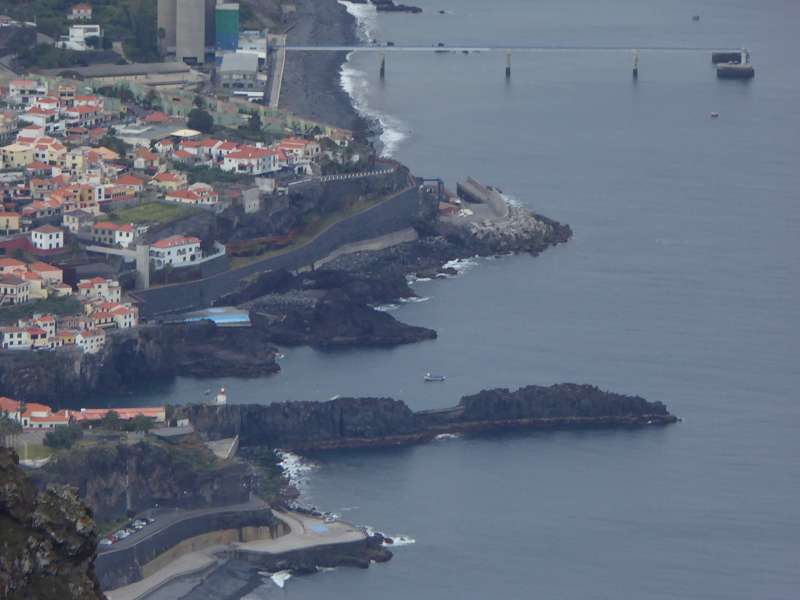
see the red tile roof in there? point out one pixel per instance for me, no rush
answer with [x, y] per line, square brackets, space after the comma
[176, 240]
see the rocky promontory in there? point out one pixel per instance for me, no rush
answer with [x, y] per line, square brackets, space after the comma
[372, 422]
[133, 356]
[47, 540]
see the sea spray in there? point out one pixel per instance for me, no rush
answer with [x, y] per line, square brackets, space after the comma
[355, 82]
[297, 470]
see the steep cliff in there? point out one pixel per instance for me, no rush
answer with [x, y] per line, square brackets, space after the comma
[357, 422]
[47, 540]
[132, 356]
[115, 478]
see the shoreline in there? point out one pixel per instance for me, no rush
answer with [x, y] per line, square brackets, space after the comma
[312, 85]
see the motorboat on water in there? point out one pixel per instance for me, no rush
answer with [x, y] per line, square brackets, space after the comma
[431, 378]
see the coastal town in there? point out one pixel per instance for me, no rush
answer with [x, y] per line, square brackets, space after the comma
[167, 214]
[99, 168]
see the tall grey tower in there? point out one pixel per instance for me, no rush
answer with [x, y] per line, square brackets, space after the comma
[190, 30]
[166, 23]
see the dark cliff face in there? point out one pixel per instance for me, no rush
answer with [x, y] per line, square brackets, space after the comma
[356, 422]
[47, 540]
[133, 356]
[115, 478]
[292, 424]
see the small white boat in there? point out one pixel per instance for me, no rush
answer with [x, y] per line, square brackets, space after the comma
[431, 378]
[714, 115]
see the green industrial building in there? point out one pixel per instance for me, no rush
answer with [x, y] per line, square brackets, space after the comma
[226, 26]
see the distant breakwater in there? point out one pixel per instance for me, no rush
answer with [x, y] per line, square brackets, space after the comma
[376, 422]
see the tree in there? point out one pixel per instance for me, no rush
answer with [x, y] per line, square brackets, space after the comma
[64, 436]
[200, 120]
[150, 98]
[141, 423]
[111, 421]
[107, 43]
[93, 42]
[8, 428]
[199, 102]
[254, 122]
[114, 143]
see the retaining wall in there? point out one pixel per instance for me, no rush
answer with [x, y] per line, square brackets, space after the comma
[117, 567]
[393, 214]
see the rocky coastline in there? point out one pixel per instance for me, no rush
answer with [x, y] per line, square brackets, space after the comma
[379, 422]
[48, 539]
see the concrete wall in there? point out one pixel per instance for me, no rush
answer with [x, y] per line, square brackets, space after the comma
[129, 563]
[190, 35]
[394, 214]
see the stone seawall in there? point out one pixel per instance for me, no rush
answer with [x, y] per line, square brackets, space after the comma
[132, 560]
[393, 214]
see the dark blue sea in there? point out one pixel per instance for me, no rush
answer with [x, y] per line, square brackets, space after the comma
[682, 284]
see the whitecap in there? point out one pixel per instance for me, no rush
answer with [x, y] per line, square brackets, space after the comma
[460, 264]
[354, 81]
[280, 578]
[296, 469]
[401, 540]
[446, 436]
[414, 299]
[386, 307]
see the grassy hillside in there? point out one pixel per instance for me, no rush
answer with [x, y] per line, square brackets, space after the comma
[132, 22]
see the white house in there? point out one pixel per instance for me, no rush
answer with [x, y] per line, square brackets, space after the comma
[15, 338]
[90, 340]
[78, 36]
[47, 237]
[176, 250]
[251, 160]
[26, 91]
[99, 288]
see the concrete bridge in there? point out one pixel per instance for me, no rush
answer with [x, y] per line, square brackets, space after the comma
[504, 49]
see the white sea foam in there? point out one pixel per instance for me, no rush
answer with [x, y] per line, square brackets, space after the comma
[414, 299]
[355, 82]
[397, 540]
[460, 264]
[402, 540]
[386, 307]
[280, 578]
[296, 468]
[446, 436]
[512, 200]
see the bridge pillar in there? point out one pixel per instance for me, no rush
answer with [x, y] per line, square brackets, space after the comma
[508, 65]
[142, 267]
[635, 64]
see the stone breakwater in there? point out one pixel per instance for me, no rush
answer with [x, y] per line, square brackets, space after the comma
[374, 422]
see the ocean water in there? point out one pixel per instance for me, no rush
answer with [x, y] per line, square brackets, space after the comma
[681, 284]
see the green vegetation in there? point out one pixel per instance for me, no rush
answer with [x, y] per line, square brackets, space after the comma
[133, 22]
[67, 305]
[152, 212]
[44, 56]
[112, 142]
[200, 120]
[8, 428]
[270, 482]
[63, 437]
[33, 451]
[314, 224]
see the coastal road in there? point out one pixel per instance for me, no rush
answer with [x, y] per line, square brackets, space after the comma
[304, 532]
